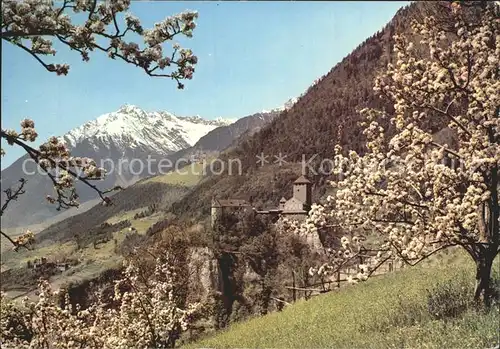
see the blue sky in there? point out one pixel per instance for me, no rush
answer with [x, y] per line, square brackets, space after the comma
[252, 56]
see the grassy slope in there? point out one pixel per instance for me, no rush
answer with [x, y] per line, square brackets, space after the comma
[93, 261]
[385, 312]
[36, 228]
[188, 175]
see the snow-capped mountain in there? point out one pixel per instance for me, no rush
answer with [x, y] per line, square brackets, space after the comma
[290, 103]
[116, 141]
[133, 128]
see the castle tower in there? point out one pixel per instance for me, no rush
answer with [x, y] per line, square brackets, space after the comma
[302, 191]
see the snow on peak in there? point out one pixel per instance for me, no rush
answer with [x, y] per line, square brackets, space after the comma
[131, 126]
[225, 122]
[288, 104]
[129, 108]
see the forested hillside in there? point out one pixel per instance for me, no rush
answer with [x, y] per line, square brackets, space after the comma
[325, 115]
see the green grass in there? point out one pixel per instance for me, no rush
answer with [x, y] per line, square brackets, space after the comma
[187, 176]
[93, 260]
[124, 215]
[142, 224]
[12, 259]
[389, 311]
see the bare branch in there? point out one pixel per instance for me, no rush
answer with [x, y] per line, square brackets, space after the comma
[9, 238]
[49, 67]
[13, 195]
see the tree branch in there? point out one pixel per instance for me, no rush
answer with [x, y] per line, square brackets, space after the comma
[445, 113]
[49, 67]
[8, 238]
[36, 155]
[401, 201]
[13, 196]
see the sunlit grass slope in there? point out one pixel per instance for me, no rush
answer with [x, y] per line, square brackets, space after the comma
[390, 311]
[188, 175]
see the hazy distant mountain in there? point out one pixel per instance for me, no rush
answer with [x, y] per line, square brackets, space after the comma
[223, 137]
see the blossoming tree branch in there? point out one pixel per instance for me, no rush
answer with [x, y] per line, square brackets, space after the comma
[34, 25]
[401, 190]
[141, 313]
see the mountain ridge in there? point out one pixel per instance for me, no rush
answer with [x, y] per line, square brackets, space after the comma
[326, 114]
[115, 139]
[136, 127]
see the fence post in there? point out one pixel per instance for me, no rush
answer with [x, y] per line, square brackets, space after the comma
[294, 295]
[338, 278]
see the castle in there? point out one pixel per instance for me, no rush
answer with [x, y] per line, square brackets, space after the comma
[295, 208]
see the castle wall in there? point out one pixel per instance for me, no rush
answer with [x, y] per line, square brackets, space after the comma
[294, 204]
[294, 216]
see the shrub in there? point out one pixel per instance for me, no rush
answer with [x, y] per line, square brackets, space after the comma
[131, 241]
[450, 299]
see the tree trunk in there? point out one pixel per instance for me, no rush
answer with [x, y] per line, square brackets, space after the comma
[265, 297]
[483, 290]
